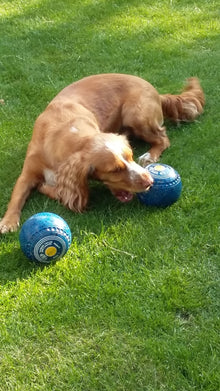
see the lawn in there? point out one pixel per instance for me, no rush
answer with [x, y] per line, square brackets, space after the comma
[134, 304]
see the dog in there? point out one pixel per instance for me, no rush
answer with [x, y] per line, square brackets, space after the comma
[80, 136]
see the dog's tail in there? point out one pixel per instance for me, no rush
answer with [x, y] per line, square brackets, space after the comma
[185, 106]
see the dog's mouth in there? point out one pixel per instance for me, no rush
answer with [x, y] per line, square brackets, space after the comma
[123, 196]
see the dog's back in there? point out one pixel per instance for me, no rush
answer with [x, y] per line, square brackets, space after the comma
[106, 95]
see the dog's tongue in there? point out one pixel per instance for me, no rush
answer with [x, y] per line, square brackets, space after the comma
[123, 196]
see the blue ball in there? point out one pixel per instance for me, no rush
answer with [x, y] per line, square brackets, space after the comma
[45, 237]
[166, 188]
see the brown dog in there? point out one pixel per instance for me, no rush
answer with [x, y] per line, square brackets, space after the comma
[73, 141]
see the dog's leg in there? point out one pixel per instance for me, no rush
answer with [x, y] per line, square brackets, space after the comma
[145, 120]
[158, 145]
[49, 191]
[157, 138]
[25, 183]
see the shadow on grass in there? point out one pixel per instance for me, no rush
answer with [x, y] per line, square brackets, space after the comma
[104, 215]
[14, 265]
[59, 52]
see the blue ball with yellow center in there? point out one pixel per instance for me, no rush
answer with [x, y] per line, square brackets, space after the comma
[166, 188]
[45, 237]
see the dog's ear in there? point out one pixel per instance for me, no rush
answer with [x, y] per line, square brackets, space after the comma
[72, 182]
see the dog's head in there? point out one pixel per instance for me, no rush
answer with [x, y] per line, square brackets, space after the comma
[112, 163]
[105, 157]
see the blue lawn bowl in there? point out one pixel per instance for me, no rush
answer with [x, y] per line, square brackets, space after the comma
[45, 237]
[166, 188]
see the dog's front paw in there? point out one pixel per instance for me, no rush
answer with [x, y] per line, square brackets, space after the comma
[145, 159]
[8, 225]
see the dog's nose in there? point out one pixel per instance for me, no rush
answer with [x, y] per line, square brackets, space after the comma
[148, 180]
[145, 182]
[140, 176]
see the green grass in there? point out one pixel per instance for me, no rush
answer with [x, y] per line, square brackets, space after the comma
[134, 305]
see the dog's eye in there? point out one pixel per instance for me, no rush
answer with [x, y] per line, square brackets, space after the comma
[117, 169]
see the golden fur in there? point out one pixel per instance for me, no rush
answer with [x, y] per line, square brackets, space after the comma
[73, 141]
